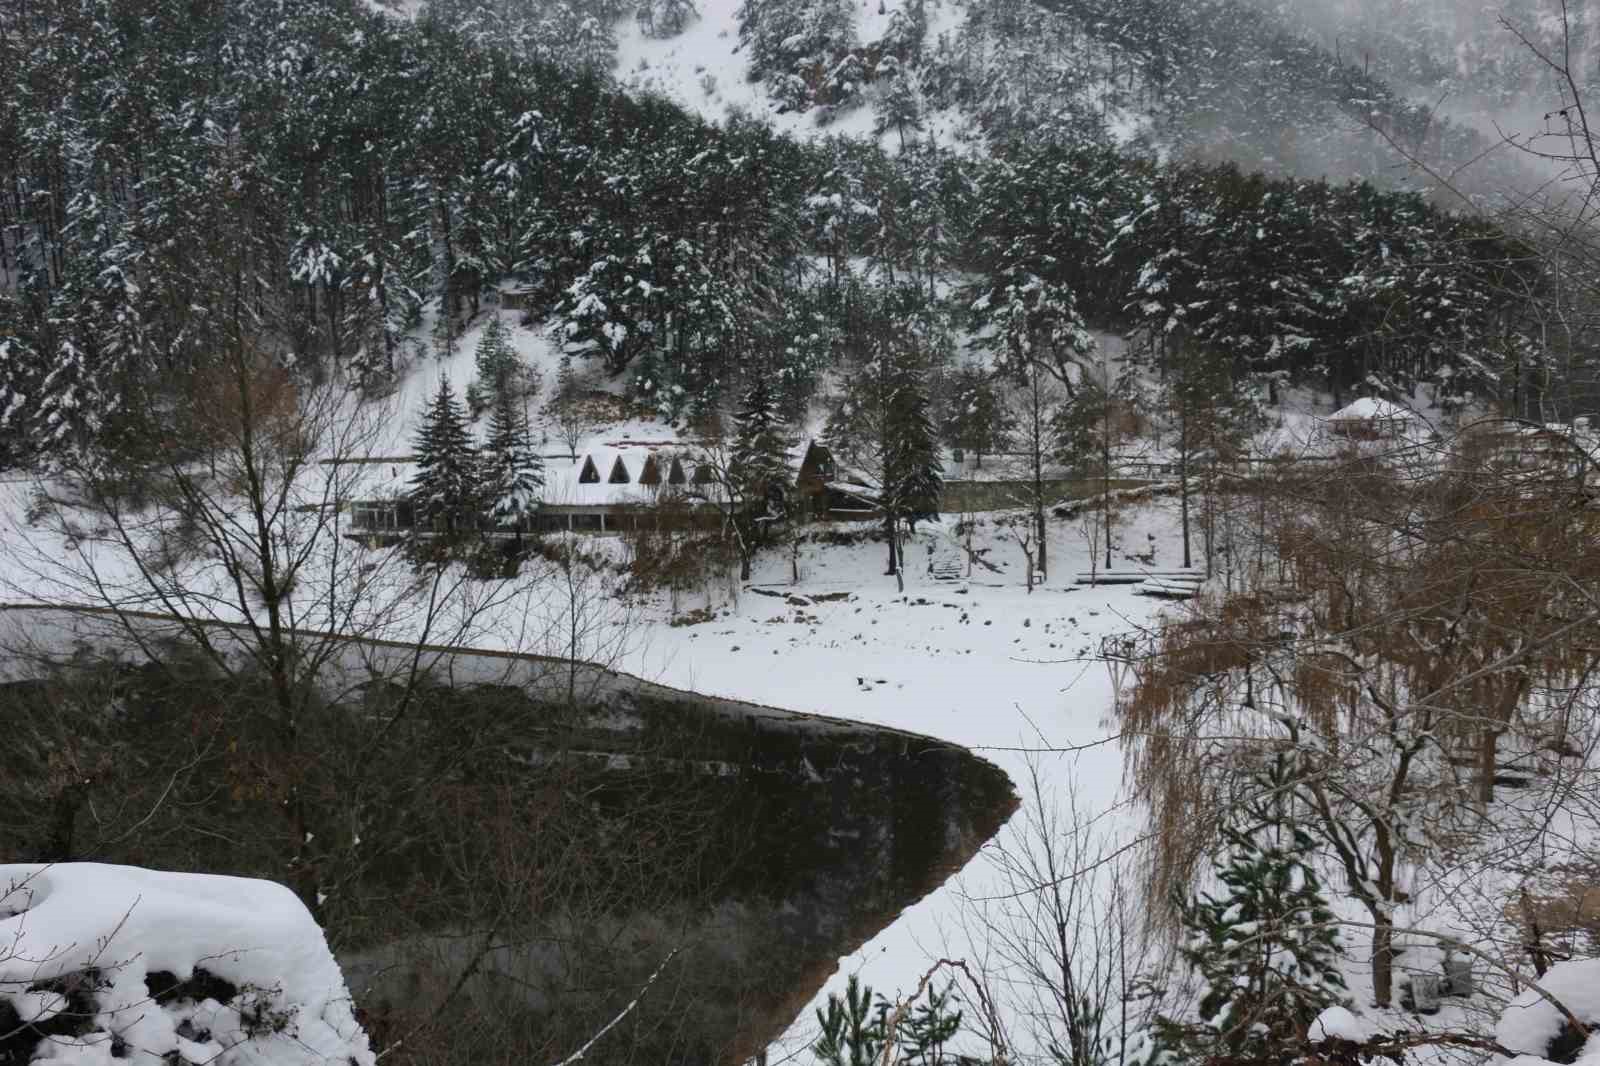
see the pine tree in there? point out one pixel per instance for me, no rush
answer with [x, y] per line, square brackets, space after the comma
[855, 1028]
[852, 1030]
[915, 478]
[496, 362]
[511, 473]
[1211, 416]
[760, 456]
[790, 43]
[903, 106]
[666, 18]
[446, 482]
[1265, 946]
[933, 1022]
[975, 417]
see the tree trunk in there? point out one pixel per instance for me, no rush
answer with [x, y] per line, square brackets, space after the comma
[1382, 957]
[1183, 475]
[1489, 740]
[1183, 501]
[1488, 762]
[1105, 507]
[1038, 517]
[888, 529]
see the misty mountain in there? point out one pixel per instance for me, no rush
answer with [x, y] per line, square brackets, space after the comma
[1289, 89]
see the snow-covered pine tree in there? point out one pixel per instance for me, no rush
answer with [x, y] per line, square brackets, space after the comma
[496, 361]
[1265, 946]
[510, 472]
[760, 457]
[902, 106]
[975, 417]
[666, 18]
[915, 478]
[798, 48]
[907, 30]
[444, 489]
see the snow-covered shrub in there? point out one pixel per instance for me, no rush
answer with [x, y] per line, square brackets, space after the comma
[103, 962]
[1539, 1032]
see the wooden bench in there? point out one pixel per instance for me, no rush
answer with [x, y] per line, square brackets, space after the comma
[1169, 589]
[1134, 577]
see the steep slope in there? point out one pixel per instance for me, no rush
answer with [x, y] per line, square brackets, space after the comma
[1282, 90]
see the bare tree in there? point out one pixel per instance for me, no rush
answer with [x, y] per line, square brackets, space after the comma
[1429, 610]
[221, 519]
[587, 621]
[1062, 939]
[247, 689]
[567, 407]
[723, 488]
[1093, 524]
[1033, 412]
[1020, 528]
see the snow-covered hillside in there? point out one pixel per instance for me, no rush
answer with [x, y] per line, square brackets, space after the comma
[704, 70]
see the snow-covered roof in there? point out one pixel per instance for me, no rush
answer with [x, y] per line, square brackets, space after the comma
[856, 489]
[1370, 409]
[617, 471]
[604, 475]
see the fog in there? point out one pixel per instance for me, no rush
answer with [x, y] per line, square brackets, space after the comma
[1464, 61]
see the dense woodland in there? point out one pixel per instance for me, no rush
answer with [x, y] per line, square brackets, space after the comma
[307, 178]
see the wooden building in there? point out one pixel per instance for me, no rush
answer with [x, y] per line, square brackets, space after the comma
[1370, 418]
[605, 490]
[825, 491]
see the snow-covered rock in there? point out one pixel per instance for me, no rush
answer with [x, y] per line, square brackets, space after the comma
[115, 962]
[1340, 1023]
[1531, 1022]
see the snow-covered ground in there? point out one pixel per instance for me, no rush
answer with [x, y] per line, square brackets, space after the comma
[982, 662]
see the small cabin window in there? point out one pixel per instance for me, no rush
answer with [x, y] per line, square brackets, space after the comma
[703, 474]
[675, 475]
[651, 474]
[619, 473]
[588, 475]
[380, 516]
